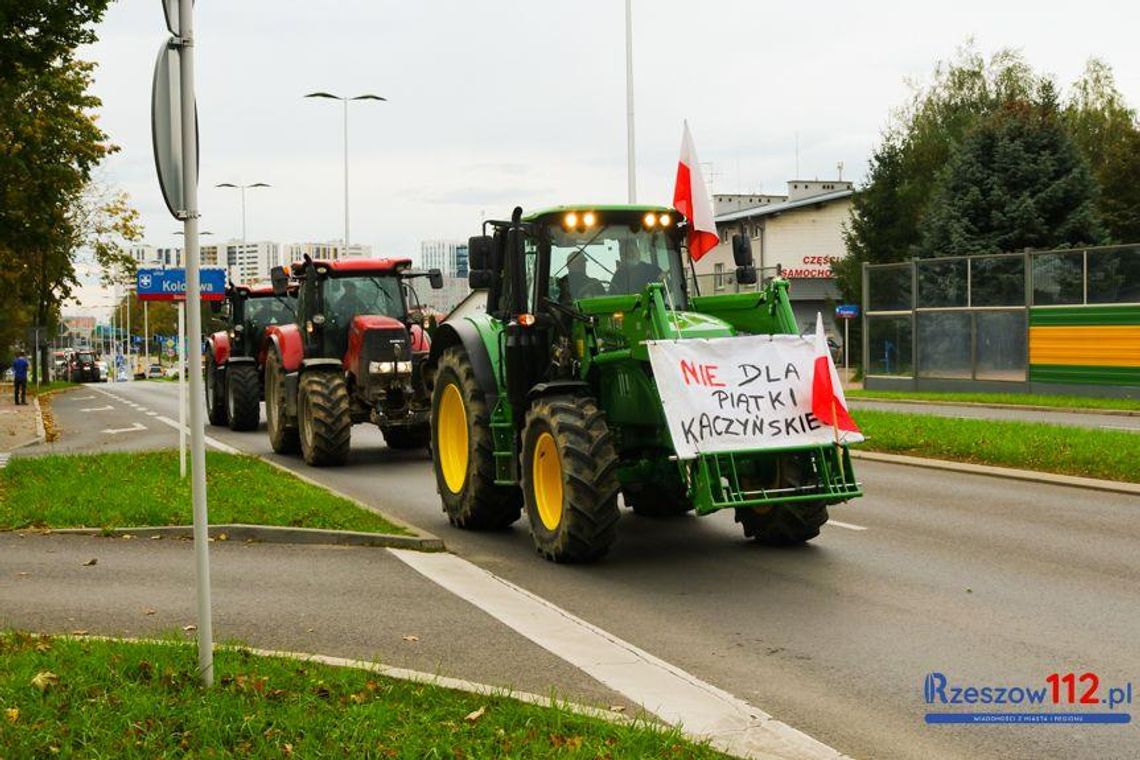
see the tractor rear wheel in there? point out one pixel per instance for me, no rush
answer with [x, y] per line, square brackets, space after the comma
[569, 479]
[789, 523]
[463, 452]
[215, 392]
[283, 435]
[325, 417]
[243, 396]
[417, 437]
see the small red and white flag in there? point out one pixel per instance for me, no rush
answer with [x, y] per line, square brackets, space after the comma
[691, 198]
[828, 403]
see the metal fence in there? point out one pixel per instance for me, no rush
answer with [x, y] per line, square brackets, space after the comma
[967, 317]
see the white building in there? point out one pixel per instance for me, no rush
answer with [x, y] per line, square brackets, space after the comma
[328, 251]
[448, 256]
[799, 234]
[251, 261]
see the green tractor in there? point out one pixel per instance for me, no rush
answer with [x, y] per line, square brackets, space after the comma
[544, 398]
[235, 355]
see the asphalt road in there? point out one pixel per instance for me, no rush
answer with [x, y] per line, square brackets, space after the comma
[962, 411]
[986, 581]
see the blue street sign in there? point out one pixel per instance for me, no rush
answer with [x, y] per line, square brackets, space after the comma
[170, 284]
[847, 311]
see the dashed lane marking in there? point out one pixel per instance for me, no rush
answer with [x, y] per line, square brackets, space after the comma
[98, 408]
[849, 526]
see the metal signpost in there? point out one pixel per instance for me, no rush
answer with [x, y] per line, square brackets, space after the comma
[175, 134]
[846, 312]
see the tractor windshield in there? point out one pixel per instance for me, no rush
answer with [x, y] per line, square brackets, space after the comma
[612, 260]
[347, 297]
[269, 310]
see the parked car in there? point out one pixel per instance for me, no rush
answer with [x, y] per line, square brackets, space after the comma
[103, 373]
[155, 371]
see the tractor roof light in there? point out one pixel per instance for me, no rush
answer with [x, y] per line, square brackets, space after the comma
[665, 220]
[650, 219]
[589, 218]
[570, 220]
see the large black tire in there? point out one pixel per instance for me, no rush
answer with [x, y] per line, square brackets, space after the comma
[664, 498]
[215, 391]
[569, 479]
[465, 456]
[325, 418]
[283, 434]
[417, 437]
[243, 396]
[785, 524]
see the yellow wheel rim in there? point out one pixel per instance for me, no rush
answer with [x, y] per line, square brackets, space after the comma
[547, 471]
[452, 439]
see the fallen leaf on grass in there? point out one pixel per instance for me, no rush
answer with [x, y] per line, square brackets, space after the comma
[222, 537]
[12, 714]
[127, 536]
[287, 749]
[573, 742]
[410, 637]
[79, 632]
[149, 611]
[617, 708]
[44, 680]
[22, 575]
[471, 717]
[190, 628]
[91, 562]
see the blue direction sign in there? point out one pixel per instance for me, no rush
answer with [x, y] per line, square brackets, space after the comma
[170, 284]
[847, 311]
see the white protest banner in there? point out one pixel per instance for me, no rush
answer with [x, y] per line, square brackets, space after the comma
[733, 394]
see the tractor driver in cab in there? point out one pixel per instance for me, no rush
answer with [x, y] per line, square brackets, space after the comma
[576, 283]
[348, 304]
[632, 274]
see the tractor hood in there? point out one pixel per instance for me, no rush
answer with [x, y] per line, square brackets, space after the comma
[696, 325]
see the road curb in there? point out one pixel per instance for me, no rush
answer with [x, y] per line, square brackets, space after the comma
[1009, 473]
[269, 534]
[984, 405]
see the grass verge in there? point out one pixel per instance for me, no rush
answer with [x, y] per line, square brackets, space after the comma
[1013, 399]
[75, 697]
[52, 387]
[133, 489]
[1087, 452]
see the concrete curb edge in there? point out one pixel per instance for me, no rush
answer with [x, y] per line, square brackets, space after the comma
[1030, 476]
[269, 534]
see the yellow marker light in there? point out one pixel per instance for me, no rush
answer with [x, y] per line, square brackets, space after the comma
[665, 220]
[651, 219]
[588, 219]
[571, 220]
[526, 320]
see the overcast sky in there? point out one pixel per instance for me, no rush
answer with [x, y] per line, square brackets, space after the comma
[497, 103]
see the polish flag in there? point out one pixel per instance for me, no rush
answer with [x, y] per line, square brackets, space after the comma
[692, 199]
[827, 401]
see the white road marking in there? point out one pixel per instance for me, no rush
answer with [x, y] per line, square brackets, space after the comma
[83, 398]
[133, 428]
[849, 526]
[4, 456]
[152, 414]
[211, 441]
[1120, 427]
[730, 723]
[98, 408]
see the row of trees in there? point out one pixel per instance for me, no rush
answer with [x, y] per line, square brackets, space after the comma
[989, 157]
[53, 209]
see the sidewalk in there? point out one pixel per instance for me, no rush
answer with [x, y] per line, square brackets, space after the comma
[18, 424]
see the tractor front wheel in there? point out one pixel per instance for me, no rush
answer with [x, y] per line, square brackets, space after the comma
[243, 396]
[283, 435]
[215, 392]
[463, 452]
[569, 479]
[325, 418]
[785, 524]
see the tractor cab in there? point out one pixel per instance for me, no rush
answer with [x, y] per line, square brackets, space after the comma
[253, 309]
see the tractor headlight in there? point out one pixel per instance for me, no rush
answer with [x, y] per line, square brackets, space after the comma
[404, 368]
[318, 319]
[239, 328]
[381, 368]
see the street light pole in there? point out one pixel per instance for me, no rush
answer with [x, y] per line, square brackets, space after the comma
[630, 155]
[243, 188]
[344, 100]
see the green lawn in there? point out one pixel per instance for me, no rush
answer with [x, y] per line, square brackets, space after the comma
[1089, 452]
[129, 489]
[99, 699]
[1015, 399]
[51, 387]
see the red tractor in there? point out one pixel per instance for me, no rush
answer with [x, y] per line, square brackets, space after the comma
[235, 356]
[354, 354]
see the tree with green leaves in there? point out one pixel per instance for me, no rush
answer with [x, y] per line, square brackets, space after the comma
[1016, 182]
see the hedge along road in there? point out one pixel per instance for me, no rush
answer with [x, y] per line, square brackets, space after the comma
[985, 581]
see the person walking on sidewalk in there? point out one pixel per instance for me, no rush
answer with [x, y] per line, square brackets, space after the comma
[20, 375]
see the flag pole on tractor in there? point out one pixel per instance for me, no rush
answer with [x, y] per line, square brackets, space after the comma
[691, 198]
[828, 403]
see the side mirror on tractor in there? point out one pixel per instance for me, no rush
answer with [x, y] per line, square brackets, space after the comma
[742, 255]
[280, 280]
[435, 279]
[478, 259]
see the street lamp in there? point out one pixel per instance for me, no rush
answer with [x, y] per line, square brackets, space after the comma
[243, 189]
[630, 155]
[330, 96]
